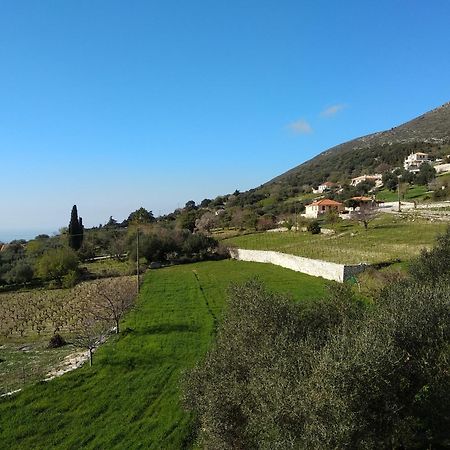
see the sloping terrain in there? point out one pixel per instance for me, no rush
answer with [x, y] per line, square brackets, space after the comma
[429, 132]
[130, 397]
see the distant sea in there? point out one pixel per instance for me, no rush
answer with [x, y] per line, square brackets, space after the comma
[11, 235]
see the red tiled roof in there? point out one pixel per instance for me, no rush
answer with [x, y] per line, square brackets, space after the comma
[325, 202]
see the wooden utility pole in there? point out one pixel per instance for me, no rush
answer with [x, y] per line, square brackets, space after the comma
[137, 259]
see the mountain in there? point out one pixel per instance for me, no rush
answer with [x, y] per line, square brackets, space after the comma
[378, 152]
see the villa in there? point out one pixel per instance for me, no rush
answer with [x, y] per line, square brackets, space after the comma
[413, 162]
[376, 178]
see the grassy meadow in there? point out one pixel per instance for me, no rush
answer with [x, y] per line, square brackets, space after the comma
[388, 238]
[110, 267]
[416, 193]
[130, 398]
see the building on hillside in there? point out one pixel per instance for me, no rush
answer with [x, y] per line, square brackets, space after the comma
[413, 162]
[321, 207]
[324, 187]
[361, 203]
[357, 205]
[376, 178]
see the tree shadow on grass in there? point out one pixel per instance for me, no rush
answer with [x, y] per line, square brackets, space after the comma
[131, 362]
[385, 226]
[163, 328]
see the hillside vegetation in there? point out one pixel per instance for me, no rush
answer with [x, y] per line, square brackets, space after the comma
[428, 133]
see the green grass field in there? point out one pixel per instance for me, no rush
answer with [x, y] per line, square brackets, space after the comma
[388, 238]
[416, 193]
[130, 398]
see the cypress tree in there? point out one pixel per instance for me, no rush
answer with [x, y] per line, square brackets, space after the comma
[75, 229]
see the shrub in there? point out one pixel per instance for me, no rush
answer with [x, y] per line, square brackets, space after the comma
[198, 243]
[21, 272]
[70, 279]
[433, 263]
[332, 216]
[313, 227]
[56, 341]
[266, 222]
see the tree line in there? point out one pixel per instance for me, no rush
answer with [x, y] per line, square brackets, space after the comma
[57, 259]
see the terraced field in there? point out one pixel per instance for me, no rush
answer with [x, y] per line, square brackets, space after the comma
[388, 238]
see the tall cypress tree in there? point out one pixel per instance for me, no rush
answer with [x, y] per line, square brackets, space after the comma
[76, 229]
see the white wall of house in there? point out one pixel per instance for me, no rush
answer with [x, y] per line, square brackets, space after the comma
[314, 211]
[311, 212]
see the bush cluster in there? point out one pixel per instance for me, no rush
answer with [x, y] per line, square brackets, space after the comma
[167, 245]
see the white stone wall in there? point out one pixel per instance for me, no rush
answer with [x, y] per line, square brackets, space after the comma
[442, 168]
[314, 267]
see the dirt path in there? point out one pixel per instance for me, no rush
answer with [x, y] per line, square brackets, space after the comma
[69, 363]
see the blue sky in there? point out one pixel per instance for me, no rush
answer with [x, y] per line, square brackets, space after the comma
[114, 105]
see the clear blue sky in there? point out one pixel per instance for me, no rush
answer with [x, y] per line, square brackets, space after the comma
[114, 105]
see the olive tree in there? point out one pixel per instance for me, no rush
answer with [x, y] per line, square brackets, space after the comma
[57, 262]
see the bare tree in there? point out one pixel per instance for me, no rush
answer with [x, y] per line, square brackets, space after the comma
[365, 214]
[118, 247]
[89, 334]
[110, 301]
[206, 222]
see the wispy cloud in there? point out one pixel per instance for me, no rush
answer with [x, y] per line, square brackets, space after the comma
[333, 110]
[300, 126]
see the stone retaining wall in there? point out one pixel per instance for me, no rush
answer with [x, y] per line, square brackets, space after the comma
[314, 267]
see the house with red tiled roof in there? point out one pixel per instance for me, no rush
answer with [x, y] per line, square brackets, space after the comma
[361, 203]
[322, 206]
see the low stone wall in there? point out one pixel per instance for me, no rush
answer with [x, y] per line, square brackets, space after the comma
[442, 168]
[314, 267]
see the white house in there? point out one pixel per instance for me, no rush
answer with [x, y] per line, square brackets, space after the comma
[323, 206]
[323, 187]
[377, 178]
[413, 162]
